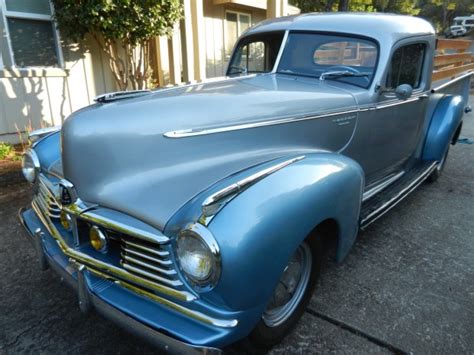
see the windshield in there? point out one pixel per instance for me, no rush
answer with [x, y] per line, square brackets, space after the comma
[330, 57]
[255, 54]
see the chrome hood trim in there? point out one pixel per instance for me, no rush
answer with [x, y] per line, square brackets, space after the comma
[117, 156]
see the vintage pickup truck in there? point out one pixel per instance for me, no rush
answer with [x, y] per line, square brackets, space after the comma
[194, 215]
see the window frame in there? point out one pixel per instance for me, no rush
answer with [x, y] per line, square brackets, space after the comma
[239, 33]
[422, 79]
[6, 14]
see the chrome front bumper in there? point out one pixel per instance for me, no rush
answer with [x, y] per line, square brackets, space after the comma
[88, 300]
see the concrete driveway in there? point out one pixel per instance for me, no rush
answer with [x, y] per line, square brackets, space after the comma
[407, 286]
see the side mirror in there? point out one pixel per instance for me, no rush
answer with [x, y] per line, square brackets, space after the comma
[403, 91]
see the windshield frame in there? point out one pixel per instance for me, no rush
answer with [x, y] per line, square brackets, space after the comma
[245, 39]
[335, 35]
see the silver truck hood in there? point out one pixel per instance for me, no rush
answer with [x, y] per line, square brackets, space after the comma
[117, 156]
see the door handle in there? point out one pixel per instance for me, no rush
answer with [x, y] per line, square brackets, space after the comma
[423, 96]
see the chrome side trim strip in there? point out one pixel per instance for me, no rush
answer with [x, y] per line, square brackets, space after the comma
[184, 133]
[388, 205]
[222, 323]
[376, 189]
[214, 203]
[113, 271]
[200, 132]
[398, 102]
[459, 78]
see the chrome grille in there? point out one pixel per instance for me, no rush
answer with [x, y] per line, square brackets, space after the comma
[46, 200]
[148, 260]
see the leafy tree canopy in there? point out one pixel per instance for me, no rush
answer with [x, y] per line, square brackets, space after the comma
[123, 29]
[438, 12]
[131, 21]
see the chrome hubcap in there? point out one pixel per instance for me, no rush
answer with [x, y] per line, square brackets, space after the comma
[290, 288]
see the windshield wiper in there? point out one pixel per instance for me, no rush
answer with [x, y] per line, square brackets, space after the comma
[340, 73]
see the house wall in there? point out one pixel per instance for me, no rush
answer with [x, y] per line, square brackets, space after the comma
[38, 97]
[214, 21]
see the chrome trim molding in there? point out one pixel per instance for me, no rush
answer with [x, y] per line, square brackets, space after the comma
[159, 253]
[376, 189]
[119, 95]
[185, 133]
[91, 216]
[222, 323]
[200, 132]
[388, 205]
[113, 271]
[215, 202]
[398, 102]
[450, 82]
[280, 51]
[79, 209]
[37, 135]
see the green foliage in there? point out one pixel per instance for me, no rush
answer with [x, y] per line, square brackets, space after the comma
[439, 12]
[133, 21]
[400, 6]
[442, 12]
[6, 150]
[124, 30]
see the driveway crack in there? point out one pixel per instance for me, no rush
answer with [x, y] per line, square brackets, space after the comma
[25, 331]
[358, 332]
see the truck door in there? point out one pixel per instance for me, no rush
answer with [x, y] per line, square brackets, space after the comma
[396, 124]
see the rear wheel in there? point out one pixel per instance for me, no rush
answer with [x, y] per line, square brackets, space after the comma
[291, 296]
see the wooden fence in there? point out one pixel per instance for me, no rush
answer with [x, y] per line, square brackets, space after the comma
[452, 58]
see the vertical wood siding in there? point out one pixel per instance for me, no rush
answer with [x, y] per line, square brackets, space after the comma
[47, 97]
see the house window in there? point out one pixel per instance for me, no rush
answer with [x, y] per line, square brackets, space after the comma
[32, 36]
[406, 66]
[236, 23]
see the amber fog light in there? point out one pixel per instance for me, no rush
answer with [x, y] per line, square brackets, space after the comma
[98, 239]
[66, 221]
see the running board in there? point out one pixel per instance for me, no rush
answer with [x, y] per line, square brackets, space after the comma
[378, 205]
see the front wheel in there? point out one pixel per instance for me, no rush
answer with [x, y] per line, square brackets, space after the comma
[291, 296]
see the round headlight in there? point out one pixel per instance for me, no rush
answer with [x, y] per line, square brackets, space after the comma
[30, 166]
[198, 255]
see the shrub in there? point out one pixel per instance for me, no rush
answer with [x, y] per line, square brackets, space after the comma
[6, 150]
[126, 26]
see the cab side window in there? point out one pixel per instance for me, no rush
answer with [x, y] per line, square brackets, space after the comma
[406, 66]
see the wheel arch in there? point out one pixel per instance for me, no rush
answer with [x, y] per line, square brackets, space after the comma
[445, 122]
[259, 230]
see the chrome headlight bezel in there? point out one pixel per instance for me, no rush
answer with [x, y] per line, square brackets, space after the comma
[205, 237]
[30, 166]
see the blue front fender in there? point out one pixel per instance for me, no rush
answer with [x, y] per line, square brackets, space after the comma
[259, 230]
